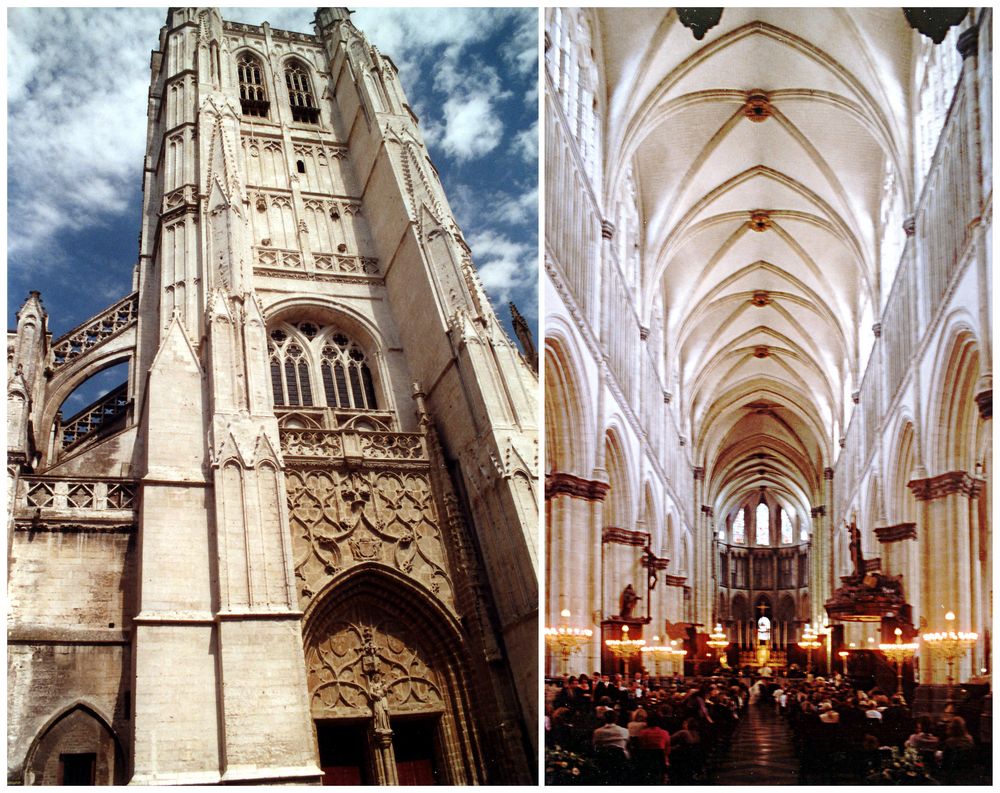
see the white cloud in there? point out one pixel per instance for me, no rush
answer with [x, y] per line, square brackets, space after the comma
[518, 208]
[471, 127]
[504, 265]
[525, 143]
[76, 118]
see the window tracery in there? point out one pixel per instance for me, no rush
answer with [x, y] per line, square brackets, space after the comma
[300, 94]
[253, 96]
[305, 350]
[574, 74]
[937, 76]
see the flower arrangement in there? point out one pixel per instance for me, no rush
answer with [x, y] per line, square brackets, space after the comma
[563, 767]
[902, 768]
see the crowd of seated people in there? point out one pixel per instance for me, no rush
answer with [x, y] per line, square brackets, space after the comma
[840, 732]
[671, 730]
[647, 730]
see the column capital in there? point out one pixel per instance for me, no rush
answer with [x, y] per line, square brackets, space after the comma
[559, 484]
[707, 510]
[968, 42]
[935, 487]
[819, 512]
[607, 229]
[897, 533]
[698, 472]
[984, 400]
[828, 472]
[910, 226]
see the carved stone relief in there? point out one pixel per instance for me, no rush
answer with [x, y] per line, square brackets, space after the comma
[343, 518]
[369, 664]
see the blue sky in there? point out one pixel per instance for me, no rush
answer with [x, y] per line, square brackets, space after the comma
[77, 83]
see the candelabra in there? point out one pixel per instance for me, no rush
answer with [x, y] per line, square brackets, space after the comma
[898, 653]
[809, 643]
[950, 646]
[624, 648]
[658, 653]
[565, 640]
[718, 640]
[677, 657]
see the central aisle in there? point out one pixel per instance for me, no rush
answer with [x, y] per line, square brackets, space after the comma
[761, 752]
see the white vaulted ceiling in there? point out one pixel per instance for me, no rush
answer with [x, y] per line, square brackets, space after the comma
[835, 82]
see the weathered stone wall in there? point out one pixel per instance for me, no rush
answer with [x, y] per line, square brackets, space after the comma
[71, 602]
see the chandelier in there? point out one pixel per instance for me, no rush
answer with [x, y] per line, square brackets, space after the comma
[565, 640]
[809, 643]
[950, 645]
[624, 648]
[657, 653]
[898, 653]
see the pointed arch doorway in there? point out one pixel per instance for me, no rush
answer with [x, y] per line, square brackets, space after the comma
[388, 685]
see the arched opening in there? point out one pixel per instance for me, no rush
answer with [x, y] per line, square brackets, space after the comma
[321, 365]
[253, 95]
[95, 409]
[388, 685]
[75, 748]
[300, 93]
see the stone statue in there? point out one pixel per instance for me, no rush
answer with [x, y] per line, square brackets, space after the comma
[627, 603]
[857, 556]
[650, 561]
[380, 704]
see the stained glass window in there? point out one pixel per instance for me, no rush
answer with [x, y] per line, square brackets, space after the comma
[739, 528]
[787, 532]
[763, 524]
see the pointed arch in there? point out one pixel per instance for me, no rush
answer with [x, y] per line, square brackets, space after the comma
[301, 98]
[567, 414]
[82, 731]
[954, 432]
[618, 503]
[415, 644]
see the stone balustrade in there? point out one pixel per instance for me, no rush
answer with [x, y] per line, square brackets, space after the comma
[74, 498]
[342, 444]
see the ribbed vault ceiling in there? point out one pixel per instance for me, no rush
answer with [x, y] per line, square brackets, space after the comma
[760, 236]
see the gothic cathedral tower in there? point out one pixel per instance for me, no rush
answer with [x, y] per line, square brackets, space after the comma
[308, 520]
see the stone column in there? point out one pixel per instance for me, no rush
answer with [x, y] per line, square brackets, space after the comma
[945, 511]
[380, 743]
[968, 48]
[695, 565]
[575, 509]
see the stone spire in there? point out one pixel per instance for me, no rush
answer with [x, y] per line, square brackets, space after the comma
[524, 336]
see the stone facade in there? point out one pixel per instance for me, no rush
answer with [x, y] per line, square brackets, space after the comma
[308, 521]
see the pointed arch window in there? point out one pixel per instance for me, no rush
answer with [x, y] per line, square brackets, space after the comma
[763, 534]
[290, 383]
[739, 528]
[787, 532]
[253, 96]
[300, 94]
[347, 378]
[315, 365]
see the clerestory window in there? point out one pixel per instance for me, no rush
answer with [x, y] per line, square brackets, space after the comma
[253, 96]
[300, 95]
